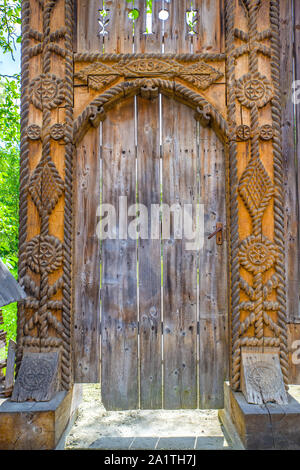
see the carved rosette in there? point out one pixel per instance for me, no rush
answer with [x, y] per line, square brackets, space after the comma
[253, 90]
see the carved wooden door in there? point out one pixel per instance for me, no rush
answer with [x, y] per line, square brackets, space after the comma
[156, 309]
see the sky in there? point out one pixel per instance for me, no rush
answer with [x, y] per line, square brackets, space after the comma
[7, 65]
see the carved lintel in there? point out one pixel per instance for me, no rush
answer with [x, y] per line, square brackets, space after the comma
[196, 72]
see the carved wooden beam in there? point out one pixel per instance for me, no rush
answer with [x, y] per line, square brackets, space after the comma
[46, 180]
[258, 299]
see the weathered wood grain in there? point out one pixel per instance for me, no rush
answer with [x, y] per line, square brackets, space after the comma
[213, 358]
[294, 353]
[119, 39]
[210, 26]
[176, 37]
[149, 256]
[88, 28]
[87, 261]
[294, 289]
[288, 148]
[179, 265]
[10, 367]
[213, 361]
[146, 41]
[119, 278]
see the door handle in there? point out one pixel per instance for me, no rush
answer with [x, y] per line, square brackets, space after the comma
[218, 233]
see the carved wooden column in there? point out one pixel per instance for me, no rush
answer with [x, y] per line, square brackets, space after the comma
[46, 180]
[258, 293]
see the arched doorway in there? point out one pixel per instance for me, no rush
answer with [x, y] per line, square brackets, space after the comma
[155, 303]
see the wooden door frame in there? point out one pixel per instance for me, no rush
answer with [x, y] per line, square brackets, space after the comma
[49, 134]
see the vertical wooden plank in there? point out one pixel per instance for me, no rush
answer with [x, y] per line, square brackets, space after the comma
[179, 264]
[10, 366]
[213, 361]
[213, 356]
[176, 37]
[297, 162]
[87, 261]
[119, 269]
[209, 28]
[152, 41]
[294, 353]
[288, 153]
[88, 38]
[149, 256]
[140, 26]
[120, 31]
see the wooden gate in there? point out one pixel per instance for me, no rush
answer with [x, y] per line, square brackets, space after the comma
[163, 306]
[161, 310]
[177, 103]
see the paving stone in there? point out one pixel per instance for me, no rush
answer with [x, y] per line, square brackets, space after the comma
[211, 442]
[112, 443]
[176, 443]
[144, 443]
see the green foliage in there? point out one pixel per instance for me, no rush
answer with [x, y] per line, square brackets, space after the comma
[9, 169]
[9, 153]
[10, 19]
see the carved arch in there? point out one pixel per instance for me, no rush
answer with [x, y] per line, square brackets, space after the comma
[95, 111]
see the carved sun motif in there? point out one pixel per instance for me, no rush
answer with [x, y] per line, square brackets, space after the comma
[257, 254]
[44, 253]
[46, 91]
[254, 90]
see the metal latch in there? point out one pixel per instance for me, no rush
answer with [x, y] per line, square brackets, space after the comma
[218, 233]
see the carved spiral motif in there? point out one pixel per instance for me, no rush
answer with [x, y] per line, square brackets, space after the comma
[257, 254]
[44, 253]
[34, 132]
[253, 89]
[266, 132]
[243, 132]
[264, 378]
[46, 91]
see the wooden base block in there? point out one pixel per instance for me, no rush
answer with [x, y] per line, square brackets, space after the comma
[36, 425]
[263, 427]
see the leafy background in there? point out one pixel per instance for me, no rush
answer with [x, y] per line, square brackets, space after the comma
[10, 20]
